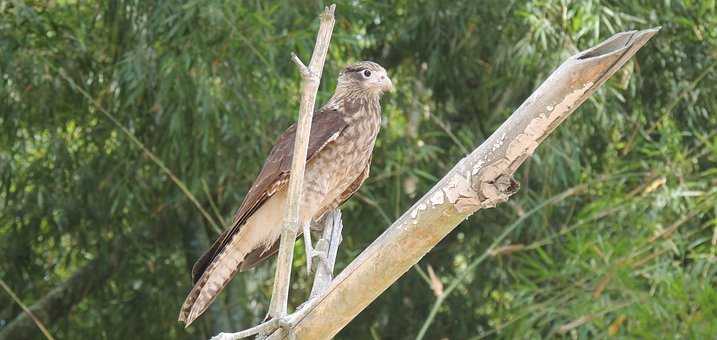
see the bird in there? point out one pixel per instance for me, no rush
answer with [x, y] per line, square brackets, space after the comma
[341, 142]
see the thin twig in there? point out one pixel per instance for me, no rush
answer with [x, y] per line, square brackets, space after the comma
[671, 229]
[589, 317]
[448, 132]
[27, 311]
[215, 209]
[374, 204]
[422, 274]
[146, 150]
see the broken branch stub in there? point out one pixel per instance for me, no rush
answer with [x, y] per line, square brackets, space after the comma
[480, 180]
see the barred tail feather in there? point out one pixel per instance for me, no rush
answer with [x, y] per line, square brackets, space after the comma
[212, 282]
[254, 241]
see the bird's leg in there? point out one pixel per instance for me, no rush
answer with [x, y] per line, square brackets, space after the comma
[326, 250]
[319, 252]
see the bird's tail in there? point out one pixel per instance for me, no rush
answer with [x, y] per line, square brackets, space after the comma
[213, 280]
[251, 244]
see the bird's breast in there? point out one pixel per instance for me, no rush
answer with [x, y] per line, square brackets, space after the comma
[339, 165]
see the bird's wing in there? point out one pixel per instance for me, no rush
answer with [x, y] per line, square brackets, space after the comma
[327, 125]
[259, 255]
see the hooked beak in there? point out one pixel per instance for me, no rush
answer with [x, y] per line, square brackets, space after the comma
[386, 84]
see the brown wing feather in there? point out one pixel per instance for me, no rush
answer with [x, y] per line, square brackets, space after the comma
[258, 256]
[326, 126]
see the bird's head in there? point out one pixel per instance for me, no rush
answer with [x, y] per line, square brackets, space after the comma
[365, 77]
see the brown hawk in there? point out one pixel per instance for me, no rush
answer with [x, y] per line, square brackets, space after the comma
[343, 133]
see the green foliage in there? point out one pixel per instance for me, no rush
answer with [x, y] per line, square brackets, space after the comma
[614, 231]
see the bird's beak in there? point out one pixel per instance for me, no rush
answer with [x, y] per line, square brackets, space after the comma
[386, 84]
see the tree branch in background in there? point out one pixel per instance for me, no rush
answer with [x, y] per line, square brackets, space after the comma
[180, 184]
[480, 180]
[61, 299]
[27, 311]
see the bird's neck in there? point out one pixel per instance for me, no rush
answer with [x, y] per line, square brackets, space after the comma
[357, 102]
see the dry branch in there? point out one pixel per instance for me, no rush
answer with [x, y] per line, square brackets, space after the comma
[60, 300]
[311, 77]
[480, 180]
[27, 311]
[329, 245]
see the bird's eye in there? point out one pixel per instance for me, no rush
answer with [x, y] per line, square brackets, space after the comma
[366, 73]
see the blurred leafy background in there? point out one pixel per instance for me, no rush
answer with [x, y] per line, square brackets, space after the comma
[613, 233]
